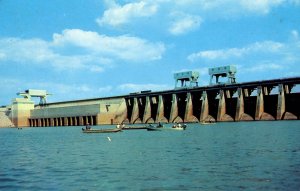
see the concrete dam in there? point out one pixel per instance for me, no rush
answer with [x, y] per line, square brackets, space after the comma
[249, 101]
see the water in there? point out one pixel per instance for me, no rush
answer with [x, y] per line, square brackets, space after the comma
[224, 156]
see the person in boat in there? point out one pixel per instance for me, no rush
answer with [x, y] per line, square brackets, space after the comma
[177, 125]
[118, 126]
[87, 127]
[159, 125]
[123, 125]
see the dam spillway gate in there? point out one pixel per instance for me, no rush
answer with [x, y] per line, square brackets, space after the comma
[62, 121]
[277, 99]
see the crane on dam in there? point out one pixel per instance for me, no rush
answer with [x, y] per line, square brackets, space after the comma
[223, 71]
[42, 94]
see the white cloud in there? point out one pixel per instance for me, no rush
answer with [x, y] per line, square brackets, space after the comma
[260, 6]
[77, 49]
[262, 67]
[295, 35]
[195, 12]
[265, 46]
[184, 23]
[118, 15]
[23, 49]
[230, 7]
[123, 47]
[270, 58]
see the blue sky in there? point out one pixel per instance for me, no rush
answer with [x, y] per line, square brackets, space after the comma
[96, 48]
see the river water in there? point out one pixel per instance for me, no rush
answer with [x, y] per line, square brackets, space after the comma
[223, 156]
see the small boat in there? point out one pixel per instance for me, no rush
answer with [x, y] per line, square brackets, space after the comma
[134, 127]
[179, 127]
[101, 130]
[152, 128]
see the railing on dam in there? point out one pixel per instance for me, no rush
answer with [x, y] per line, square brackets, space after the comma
[62, 121]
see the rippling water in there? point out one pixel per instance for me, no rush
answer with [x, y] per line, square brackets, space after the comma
[224, 156]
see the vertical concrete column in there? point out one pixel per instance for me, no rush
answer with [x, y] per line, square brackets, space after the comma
[228, 94]
[92, 120]
[66, 121]
[266, 90]
[204, 107]
[221, 106]
[60, 120]
[246, 92]
[160, 114]
[287, 89]
[135, 111]
[259, 103]
[281, 102]
[51, 122]
[81, 120]
[189, 115]
[147, 111]
[39, 122]
[240, 105]
[70, 121]
[75, 121]
[174, 108]
[86, 120]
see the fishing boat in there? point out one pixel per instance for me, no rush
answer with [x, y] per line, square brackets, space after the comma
[179, 127]
[115, 130]
[152, 128]
[134, 128]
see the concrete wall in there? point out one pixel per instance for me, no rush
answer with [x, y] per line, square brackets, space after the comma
[51, 112]
[5, 120]
[21, 108]
[96, 112]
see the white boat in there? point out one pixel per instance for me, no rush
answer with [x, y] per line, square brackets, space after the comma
[179, 127]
